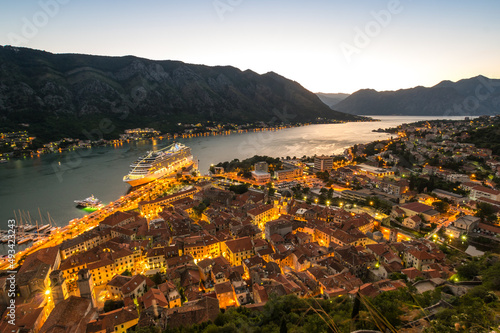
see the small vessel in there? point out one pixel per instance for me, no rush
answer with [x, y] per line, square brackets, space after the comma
[43, 227]
[29, 227]
[156, 164]
[52, 230]
[24, 239]
[90, 202]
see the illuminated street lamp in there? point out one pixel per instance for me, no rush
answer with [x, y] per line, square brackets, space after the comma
[328, 203]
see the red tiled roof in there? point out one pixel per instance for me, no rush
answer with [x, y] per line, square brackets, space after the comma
[489, 227]
[416, 207]
[421, 255]
[240, 244]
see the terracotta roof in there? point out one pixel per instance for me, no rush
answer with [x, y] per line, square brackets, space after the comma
[151, 296]
[69, 316]
[421, 255]
[240, 244]
[193, 312]
[119, 281]
[107, 321]
[116, 218]
[134, 283]
[259, 210]
[411, 273]
[416, 207]
[489, 227]
[486, 190]
[224, 287]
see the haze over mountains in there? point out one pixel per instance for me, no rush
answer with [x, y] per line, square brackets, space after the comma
[331, 99]
[61, 95]
[475, 96]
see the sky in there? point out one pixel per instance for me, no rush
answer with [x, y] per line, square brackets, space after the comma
[327, 46]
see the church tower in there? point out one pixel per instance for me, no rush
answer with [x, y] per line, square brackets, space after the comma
[58, 286]
[86, 285]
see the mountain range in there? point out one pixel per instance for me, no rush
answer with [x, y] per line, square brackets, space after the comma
[474, 96]
[63, 95]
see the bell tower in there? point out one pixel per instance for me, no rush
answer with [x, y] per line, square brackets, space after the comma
[58, 286]
[86, 285]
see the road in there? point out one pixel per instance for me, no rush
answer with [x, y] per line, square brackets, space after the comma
[78, 226]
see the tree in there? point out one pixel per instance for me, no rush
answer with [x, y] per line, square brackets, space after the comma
[468, 271]
[441, 206]
[157, 279]
[398, 276]
[239, 189]
[199, 209]
[126, 273]
[486, 212]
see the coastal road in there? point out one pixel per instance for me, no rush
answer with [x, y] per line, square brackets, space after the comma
[78, 226]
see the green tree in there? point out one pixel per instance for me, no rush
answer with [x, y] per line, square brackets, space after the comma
[486, 212]
[157, 279]
[468, 271]
[126, 273]
[111, 305]
[441, 206]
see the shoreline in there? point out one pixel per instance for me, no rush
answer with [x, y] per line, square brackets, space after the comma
[89, 144]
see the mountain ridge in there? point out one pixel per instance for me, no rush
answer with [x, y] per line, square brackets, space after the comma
[474, 96]
[59, 95]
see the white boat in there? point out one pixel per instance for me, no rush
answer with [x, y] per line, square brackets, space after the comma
[90, 202]
[156, 164]
[43, 227]
[24, 239]
[29, 227]
[52, 230]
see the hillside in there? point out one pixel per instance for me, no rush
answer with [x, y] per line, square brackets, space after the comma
[61, 95]
[475, 96]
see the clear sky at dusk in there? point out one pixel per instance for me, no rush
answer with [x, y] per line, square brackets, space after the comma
[325, 45]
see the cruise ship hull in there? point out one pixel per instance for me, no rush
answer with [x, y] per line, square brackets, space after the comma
[149, 178]
[140, 181]
[156, 165]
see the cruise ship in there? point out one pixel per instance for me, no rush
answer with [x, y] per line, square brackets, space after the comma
[156, 164]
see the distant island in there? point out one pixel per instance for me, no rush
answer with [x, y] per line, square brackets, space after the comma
[469, 97]
[54, 96]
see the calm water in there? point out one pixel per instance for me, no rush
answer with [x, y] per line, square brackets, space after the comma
[51, 182]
